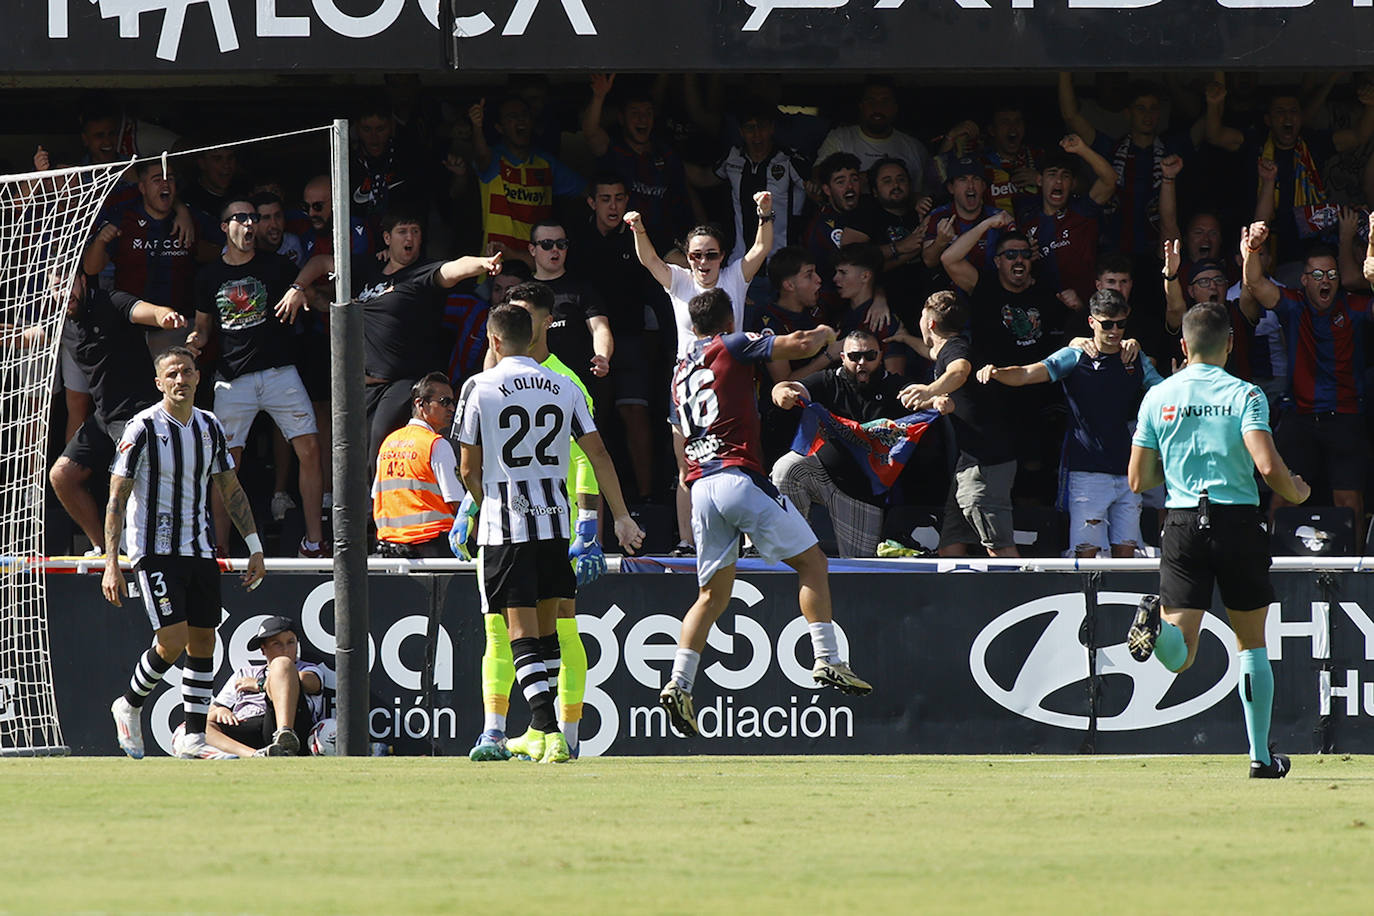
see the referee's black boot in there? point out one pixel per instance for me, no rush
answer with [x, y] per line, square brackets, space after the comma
[1140, 639]
[1277, 767]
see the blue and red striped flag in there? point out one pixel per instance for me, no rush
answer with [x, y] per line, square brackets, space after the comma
[880, 447]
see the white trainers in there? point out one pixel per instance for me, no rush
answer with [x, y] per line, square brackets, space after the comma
[839, 675]
[128, 727]
[94, 551]
[282, 503]
[192, 746]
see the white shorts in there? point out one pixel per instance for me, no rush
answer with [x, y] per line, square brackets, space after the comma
[731, 501]
[1098, 497]
[70, 372]
[278, 391]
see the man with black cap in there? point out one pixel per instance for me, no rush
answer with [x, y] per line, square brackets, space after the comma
[267, 708]
[967, 208]
[1064, 226]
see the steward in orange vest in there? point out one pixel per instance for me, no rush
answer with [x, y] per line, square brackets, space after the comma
[416, 491]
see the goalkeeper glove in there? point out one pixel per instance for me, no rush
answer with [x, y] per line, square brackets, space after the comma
[463, 525]
[588, 560]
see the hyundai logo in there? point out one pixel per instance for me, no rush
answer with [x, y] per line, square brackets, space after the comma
[1058, 659]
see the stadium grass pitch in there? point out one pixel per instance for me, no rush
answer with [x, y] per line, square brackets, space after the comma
[685, 835]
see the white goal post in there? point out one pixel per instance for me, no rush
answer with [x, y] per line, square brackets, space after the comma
[45, 221]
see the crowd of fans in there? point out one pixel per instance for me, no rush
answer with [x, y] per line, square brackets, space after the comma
[1016, 229]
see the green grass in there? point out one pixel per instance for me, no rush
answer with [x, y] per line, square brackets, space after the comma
[686, 835]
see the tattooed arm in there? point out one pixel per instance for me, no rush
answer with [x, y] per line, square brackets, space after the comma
[112, 582]
[236, 504]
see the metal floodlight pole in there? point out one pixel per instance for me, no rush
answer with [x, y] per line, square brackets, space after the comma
[349, 464]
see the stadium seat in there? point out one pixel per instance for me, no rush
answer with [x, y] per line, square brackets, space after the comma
[1314, 531]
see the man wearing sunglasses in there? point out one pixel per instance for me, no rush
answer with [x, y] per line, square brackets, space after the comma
[580, 334]
[1101, 390]
[255, 370]
[318, 202]
[859, 388]
[1321, 430]
[1207, 281]
[416, 493]
[1015, 321]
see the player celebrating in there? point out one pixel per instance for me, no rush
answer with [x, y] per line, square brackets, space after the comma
[163, 465]
[713, 392]
[1204, 433]
[564, 655]
[526, 415]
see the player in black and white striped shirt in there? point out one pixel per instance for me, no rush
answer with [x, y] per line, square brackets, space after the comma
[159, 487]
[515, 422]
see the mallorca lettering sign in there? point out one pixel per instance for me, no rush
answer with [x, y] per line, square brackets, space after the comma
[688, 35]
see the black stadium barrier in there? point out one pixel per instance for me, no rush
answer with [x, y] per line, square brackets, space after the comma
[962, 662]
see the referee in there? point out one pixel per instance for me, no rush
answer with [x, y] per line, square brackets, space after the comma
[1203, 432]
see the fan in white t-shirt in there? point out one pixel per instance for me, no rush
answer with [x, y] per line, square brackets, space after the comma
[705, 253]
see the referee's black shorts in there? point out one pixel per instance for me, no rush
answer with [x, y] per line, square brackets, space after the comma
[522, 575]
[1233, 552]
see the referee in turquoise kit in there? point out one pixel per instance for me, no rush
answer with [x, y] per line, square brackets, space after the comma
[1203, 432]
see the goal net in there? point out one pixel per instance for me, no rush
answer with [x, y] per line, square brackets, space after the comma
[45, 221]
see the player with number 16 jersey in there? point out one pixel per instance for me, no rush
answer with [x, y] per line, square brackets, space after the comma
[713, 390]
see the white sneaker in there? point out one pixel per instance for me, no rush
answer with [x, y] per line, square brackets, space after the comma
[192, 746]
[128, 727]
[94, 552]
[839, 675]
[282, 503]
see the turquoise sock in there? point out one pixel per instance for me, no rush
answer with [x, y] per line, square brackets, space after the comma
[1170, 646]
[1257, 699]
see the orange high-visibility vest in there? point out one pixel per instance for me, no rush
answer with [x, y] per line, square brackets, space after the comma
[409, 508]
